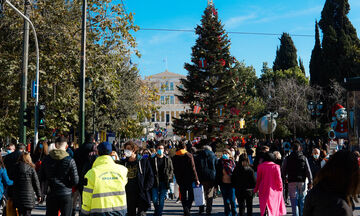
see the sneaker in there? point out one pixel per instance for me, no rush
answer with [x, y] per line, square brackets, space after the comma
[177, 201]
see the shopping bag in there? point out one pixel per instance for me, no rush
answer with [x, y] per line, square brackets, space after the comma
[10, 209]
[199, 197]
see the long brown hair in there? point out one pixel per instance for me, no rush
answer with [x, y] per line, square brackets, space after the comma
[1, 162]
[244, 160]
[25, 157]
[341, 174]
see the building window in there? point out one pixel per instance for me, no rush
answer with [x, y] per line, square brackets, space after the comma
[181, 86]
[180, 102]
[162, 99]
[162, 116]
[171, 86]
[153, 117]
[172, 100]
[167, 99]
[167, 86]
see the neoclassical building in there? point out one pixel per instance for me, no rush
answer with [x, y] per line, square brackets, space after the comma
[170, 106]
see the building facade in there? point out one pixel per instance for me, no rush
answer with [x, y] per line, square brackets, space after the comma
[169, 104]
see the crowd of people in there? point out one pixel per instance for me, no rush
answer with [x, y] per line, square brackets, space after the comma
[125, 179]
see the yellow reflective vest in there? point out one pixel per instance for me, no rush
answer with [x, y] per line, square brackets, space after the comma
[105, 189]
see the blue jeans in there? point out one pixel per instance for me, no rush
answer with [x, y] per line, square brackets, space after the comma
[297, 195]
[158, 198]
[228, 194]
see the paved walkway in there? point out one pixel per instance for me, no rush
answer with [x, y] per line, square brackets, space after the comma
[173, 209]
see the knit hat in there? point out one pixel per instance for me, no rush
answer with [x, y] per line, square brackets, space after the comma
[104, 148]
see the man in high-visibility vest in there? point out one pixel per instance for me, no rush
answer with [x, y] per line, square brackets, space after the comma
[104, 193]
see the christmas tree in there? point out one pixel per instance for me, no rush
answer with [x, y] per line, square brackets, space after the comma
[214, 87]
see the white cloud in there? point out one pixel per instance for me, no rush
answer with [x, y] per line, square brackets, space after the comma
[164, 37]
[236, 21]
[290, 14]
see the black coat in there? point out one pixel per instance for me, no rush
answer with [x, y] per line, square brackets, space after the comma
[322, 201]
[26, 182]
[84, 157]
[59, 173]
[205, 162]
[243, 178]
[145, 177]
[10, 161]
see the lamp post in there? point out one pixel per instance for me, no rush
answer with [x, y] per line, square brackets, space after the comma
[315, 108]
[82, 76]
[23, 106]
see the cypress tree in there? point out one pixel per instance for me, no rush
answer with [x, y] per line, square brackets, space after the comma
[286, 56]
[340, 43]
[214, 87]
[301, 65]
[316, 64]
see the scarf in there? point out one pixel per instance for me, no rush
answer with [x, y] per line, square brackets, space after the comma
[181, 152]
[228, 165]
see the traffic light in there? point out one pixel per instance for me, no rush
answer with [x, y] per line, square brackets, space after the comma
[41, 118]
[27, 117]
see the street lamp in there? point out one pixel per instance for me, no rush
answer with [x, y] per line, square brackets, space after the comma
[2, 2]
[315, 108]
[82, 76]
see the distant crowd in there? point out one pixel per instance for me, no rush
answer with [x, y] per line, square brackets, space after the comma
[126, 178]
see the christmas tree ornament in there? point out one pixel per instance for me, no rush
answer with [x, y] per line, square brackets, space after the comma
[222, 62]
[222, 81]
[197, 109]
[202, 62]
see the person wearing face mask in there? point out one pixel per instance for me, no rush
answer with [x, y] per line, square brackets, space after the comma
[224, 171]
[163, 175]
[315, 162]
[140, 181]
[146, 154]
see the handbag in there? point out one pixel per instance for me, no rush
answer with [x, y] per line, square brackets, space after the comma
[10, 208]
[199, 196]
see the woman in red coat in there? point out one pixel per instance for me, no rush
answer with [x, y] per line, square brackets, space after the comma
[269, 186]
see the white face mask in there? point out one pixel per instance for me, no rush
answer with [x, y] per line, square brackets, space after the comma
[127, 153]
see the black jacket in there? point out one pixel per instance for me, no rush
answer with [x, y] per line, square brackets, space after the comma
[322, 201]
[10, 161]
[296, 168]
[243, 178]
[184, 168]
[145, 177]
[26, 182]
[84, 158]
[168, 171]
[205, 163]
[315, 166]
[59, 171]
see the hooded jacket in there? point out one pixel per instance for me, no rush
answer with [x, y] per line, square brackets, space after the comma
[26, 182]
[59, 170]
[205, 162]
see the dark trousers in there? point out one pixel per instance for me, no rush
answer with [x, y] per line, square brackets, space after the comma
[134, 201]
[209, 196]
[24, 212]
[56, 203]
[243, 196]
[187, 198]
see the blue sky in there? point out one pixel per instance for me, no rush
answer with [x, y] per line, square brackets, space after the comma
[268, 16]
